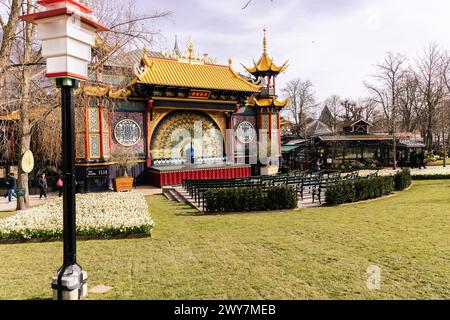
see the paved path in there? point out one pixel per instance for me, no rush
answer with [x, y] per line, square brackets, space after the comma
[428, 170]
[35, 201]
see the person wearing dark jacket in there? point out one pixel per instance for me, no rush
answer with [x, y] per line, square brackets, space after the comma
[12, 185]
[422, 160]
[42, 184]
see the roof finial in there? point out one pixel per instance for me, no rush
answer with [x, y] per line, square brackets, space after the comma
[176, 48]
[265, 40]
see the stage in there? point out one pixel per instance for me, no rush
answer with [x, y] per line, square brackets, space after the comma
[174, 175]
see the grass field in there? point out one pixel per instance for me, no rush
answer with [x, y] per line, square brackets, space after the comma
[317, 253]
[6, 214]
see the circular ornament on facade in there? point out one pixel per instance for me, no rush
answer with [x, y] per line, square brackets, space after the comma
[246, 132]
[127, 132]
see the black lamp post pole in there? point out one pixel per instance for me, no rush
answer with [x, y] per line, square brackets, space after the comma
[69, 207]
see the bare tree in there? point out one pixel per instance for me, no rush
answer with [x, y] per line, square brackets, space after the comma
[334, 105]
[432, 88]
[34, 97]
[248, 3]
[367, 109]
[410, 102]
[350, 111]
[386, 94]
[302, 101]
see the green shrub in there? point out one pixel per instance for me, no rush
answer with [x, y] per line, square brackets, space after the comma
[431, 177]
[402, 180]
[250, 199]
[359, 190]
[279, 198]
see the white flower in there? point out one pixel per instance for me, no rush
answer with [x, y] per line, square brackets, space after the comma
[97, 214]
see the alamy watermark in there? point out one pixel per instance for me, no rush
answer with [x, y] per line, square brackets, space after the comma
[374, 278]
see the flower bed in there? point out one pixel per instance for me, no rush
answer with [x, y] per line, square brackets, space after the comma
[98, 215]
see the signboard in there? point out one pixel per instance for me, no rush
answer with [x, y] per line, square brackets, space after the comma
[28, 162]
[199, 94]
[98, 172]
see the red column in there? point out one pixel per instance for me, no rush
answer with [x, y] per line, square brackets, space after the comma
[147, 138]
[110, 133]
[270, 124]
[279, 132]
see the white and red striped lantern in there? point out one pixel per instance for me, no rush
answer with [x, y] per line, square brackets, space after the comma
[66, 29]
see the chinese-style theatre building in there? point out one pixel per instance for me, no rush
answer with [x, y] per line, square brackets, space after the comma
[182, 116]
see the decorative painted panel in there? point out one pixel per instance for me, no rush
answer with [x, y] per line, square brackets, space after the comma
[265, 121]
[105, 121]
[80, 119]
[94, 141]
[106, 150]
[80, 146]
[136, 117]
[127, 132]
[94, 120]
[175, 135]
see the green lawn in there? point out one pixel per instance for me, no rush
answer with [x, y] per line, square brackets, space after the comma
[6, 214]
[318, 253]
[440, 163]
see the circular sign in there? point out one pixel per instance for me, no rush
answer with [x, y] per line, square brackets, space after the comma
[246, 132]
[127, 132]
[28, 162]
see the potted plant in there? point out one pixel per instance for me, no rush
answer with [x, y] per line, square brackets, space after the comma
[126, 158]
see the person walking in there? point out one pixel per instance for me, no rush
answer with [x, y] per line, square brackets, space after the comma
[413, 160]
[12, 185]
[42, 184]
[422, 160]
[60, 184]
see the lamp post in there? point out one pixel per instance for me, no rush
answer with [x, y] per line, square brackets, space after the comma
[67, 33]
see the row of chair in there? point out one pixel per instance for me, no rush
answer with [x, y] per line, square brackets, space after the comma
[306, 183]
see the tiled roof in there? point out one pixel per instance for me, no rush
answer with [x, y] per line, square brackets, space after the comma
[170, 72]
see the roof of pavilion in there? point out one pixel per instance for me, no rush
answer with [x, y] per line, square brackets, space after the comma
[369, 137]
[192, 74]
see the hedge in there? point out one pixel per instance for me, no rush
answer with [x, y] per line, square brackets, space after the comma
[250, 199]
[359, 190]
[402, 180]
[431, 177]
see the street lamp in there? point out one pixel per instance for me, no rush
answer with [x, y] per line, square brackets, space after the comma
[66, 30]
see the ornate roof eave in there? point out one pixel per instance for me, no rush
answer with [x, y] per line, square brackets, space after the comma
[103, 91]
[266, 67]
[267, 102]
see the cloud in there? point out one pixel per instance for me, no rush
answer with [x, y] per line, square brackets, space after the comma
[335, 44]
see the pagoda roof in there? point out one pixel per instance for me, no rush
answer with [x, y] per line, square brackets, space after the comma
[268, 102]
[192, 74]
[265, 64]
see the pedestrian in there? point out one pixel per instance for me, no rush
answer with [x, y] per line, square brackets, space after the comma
[12, 185]
[60, 184]
[413, 160]
[42, 184]
[318, 164]
[422, 160]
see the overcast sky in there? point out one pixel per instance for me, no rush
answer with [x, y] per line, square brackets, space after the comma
[333, 43]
